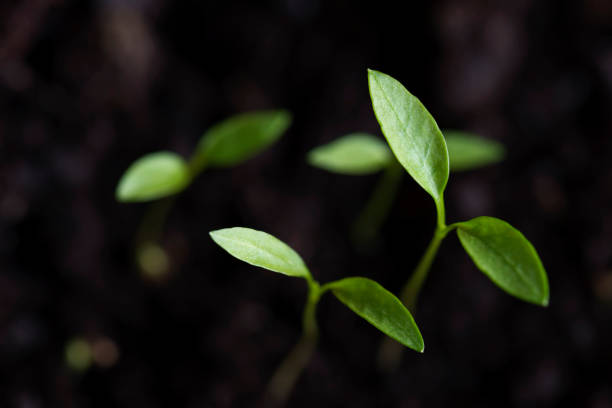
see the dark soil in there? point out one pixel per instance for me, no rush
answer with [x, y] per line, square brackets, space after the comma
[86, 87]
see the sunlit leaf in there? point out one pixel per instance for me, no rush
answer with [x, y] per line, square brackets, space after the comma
[467, 151]
[357, 153]
[381, 308]
[411, 132]
[260, 249]
[153, 176]
[242, 136]
[506, 257]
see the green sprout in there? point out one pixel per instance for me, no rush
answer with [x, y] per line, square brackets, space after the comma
[363, 296]
[500, 251]
[363, 153]
[161, 175]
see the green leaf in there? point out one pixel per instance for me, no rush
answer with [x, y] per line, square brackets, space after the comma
[506, 257]
[379, 307]
[153, 176]
[467, 151]
[260, 249]
[356, 153]
[241, 137]
[411, 132]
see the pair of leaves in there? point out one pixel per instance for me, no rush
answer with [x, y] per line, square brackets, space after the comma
[362, 153]
[363, 296]
[228, 143]
[497, 249]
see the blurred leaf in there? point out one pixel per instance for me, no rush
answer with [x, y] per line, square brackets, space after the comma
[260, 249]
[357, 153]
[411, 132]
[153, 176]
[467, 151]
[379, 307]
[241, 137]
[506, 257]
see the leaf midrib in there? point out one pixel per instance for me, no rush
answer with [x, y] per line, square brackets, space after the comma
[249, 244]
[519, 270]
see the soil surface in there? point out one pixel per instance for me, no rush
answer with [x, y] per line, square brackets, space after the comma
[86, 87]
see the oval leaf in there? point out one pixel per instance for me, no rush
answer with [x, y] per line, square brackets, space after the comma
[260, 249]
[241, 137]
[411, 132]
[379, 307]
[506, 257]
[467, 151]
[357, 153]
[153, 176]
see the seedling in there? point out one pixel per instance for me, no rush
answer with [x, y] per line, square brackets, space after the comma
[500, 251]
[162, 175]
[363, 296]
[363, 153]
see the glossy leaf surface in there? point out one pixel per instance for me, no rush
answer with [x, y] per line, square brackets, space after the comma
[411, 132]
[153, 176]
[381, 308]
[241, 137]
[357, 153]
[467, 151]
[506, 257]
[260, 249]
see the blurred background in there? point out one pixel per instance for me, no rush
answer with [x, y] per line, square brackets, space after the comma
[86, 87]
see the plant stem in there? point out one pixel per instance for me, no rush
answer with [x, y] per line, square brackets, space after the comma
[152, 224]
[390, 350]
[410, 292]
[377, 208]
[288, 372]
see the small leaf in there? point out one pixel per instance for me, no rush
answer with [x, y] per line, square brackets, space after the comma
[506, 257]
[467, 151]
[153, 176]
[357, 153]
[379, 307]
[260, 249]
[411, 132]
[241, 137]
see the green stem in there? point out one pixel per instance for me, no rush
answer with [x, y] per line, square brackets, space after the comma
[377, 208]
[410, 292]
[197, 163]
[152, 224]
[390, 350]
[288, 372]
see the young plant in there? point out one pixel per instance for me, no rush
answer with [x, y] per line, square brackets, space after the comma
[162, 175]
[363, 153]
[363, 296]
[500, 251]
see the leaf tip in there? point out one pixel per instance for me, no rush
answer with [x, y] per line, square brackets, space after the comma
[119, 194]
[215, 235]
[123, 192]
[372, 73]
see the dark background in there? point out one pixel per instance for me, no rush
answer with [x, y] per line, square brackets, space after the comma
[86, 87]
